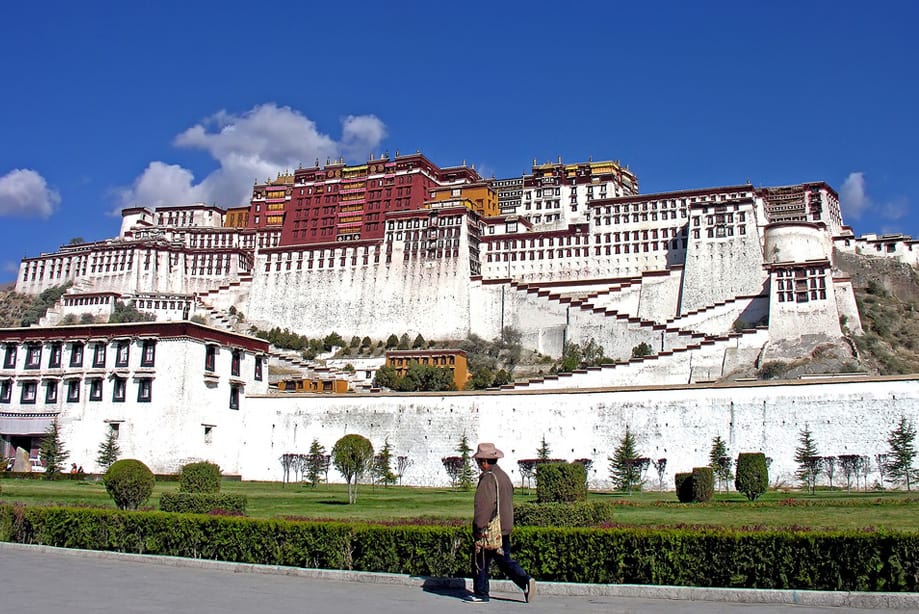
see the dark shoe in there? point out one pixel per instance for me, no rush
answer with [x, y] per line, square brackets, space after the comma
[529, 593]
[476, 598]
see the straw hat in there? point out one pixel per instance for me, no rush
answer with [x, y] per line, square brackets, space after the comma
[488, 451]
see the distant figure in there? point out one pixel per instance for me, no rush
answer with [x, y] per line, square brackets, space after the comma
[80, 470]
[73, 468]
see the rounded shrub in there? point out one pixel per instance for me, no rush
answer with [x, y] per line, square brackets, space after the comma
[703, 484]
[561, 482]
[129, 483]
[203, 477]
[752, 477]
[684, 487]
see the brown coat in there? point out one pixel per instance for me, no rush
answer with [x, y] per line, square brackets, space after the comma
[485, 495]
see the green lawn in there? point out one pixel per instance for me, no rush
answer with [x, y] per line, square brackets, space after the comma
[836, 509]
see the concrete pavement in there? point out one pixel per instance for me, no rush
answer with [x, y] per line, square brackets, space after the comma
[50, 580]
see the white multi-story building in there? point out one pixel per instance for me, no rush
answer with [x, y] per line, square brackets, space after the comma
[168, 389]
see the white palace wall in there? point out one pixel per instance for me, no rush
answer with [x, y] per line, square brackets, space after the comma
[677, 423]
[426, 296]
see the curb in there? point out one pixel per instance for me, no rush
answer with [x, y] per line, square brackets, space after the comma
[837, 599]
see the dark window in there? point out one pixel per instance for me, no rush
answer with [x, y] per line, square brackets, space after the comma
[210, 358]
[6, 391]
[33, 357]
[258, 368]
[99, 355]
[95, 389]
[9, 357]
[234, 364]
[73, 390]
[51, 391]
[148, 356]
[118, 389]
[144, 390]
[29, 391]
[54, 357]
[234, 397]
[123, 354]
[76, 355]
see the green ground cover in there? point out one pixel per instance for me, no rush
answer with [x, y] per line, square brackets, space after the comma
[825, 510]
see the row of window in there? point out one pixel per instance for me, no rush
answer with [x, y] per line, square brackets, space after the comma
[34, 352]
[210, 362]
[72, 388]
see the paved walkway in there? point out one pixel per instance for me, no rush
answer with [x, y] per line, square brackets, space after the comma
[52, 580]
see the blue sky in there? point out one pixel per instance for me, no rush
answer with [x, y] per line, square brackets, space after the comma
[107, 104]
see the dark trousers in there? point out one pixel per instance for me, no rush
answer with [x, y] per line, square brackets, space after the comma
[481, 561]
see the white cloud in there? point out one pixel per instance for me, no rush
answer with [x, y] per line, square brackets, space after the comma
[25, 193]
[855, 201]
[853, 197]
[255, 145]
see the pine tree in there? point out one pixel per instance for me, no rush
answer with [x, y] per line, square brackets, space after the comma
[382, 465]
[466, 474]
[109, 451]
[899, 466]
[52, 452]
[808, 459]
[720, 462]
[623, 466]
[315, 463]
[543, 452]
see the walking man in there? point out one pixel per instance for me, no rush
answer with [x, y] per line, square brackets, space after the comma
[494, 494]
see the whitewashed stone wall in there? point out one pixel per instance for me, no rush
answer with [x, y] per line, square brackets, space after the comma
[677, 423]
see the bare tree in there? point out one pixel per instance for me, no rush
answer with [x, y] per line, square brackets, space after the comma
[865, 466]
[829, 468]
[660, 465]
[849, 464]
[454, 466]
[527, 470]
[402, 465]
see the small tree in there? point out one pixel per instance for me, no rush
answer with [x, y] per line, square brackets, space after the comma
[899, 466]
[129, 483]
[660, 465]
[829, 467]
[466, 474]
[402, 465]
[419, 342]
[109, 450]
[623, 468]
[720, 462]
[392, 342]
[543, 453]
[752, 474]
[453, 466]
[352, 455]
[52, 452]
[382, 466]
[849, 464]
[314, 463]
[809, 462]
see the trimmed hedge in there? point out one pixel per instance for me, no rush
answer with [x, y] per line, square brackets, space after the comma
[202, 503]
[202, 477]
[703, 484]
[561, 482]
[129, 483]
[580, 514]
[825, 560]
[752, 477]
[684, 487]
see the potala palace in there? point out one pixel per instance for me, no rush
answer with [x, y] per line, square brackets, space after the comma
[715, 281]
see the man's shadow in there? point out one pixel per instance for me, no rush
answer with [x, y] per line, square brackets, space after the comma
[454, 588]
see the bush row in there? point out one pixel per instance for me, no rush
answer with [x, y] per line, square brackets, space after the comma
[581, 514]
[202, 503]
[847, 561]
